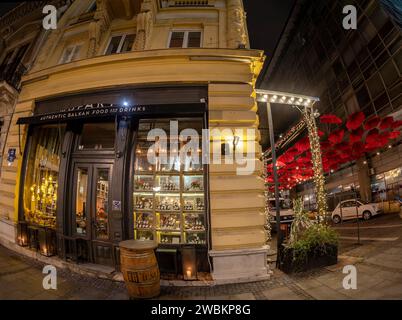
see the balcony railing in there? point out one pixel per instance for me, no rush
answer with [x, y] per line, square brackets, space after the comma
[185, 3]
[12, 74]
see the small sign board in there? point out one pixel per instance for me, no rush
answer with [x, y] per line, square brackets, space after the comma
[12, 154]
[116, 205]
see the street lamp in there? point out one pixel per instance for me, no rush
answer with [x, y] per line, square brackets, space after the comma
[295, 100]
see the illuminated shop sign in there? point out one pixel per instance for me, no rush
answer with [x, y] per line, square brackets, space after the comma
[101, 110]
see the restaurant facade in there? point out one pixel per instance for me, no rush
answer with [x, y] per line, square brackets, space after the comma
[76, 176]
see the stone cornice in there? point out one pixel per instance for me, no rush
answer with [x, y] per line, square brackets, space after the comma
[248, 56]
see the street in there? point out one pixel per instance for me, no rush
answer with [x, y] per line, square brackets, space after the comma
[378, 260]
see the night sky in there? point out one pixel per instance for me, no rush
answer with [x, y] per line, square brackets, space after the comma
[266, 20]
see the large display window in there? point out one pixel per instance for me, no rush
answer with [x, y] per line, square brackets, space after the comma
[41, 177]
[169, 198]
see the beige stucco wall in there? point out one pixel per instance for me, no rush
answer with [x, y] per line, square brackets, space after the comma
[236, 201]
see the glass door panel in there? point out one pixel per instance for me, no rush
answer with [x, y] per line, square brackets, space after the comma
[102, 203]
[81, 201]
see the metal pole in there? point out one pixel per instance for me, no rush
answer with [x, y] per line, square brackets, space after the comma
[276, 182]
[357, 215]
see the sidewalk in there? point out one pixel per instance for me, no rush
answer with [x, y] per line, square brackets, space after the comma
[379, 267]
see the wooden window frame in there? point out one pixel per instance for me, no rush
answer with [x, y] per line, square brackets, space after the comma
[69, 59]
[185, 38]
[123, 38]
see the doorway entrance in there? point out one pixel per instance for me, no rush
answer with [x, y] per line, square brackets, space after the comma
[91, 207]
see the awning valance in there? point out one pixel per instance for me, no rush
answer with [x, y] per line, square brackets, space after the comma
[99, 111]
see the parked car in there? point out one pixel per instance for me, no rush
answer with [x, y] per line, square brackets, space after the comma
[285, 211]
[346, 210]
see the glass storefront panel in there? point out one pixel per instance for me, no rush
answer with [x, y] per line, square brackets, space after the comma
[97, 136]
[387, 186]
[169, 197]
[40, 188]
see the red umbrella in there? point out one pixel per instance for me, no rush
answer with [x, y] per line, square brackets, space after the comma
[375, 140]
[386, 123]
[397, 124]
[355, 120]
[394, 135]
[357, 150]
[344, 147]
[330, 118]
[292, 152]
[336, 136]
[304, 159]
[286, 158]
[355, 138]
[303, 144]
[325, 145]
[372, 122]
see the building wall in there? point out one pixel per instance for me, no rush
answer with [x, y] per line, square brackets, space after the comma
[223, 63]
[20, 28]
[349, 70]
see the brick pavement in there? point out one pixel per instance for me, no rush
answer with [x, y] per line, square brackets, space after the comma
[379, 267]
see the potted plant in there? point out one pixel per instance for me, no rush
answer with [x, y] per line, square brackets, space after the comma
[311, 244]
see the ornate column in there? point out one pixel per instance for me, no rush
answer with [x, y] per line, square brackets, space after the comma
[236, 28]
[144, 26]
[98, 27]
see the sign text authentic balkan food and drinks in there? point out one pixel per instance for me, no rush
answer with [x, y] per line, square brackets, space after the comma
[92, 110]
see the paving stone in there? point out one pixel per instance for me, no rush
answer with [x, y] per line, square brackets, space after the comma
[379, 277]
[326, 293]
[307, 284]
[222, 297]
[242, 296]
[281, 293]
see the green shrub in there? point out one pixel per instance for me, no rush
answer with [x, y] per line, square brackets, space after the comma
[317, 239]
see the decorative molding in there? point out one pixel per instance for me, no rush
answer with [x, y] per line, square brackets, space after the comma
[98, 27]
[8, 96]
[237, 35]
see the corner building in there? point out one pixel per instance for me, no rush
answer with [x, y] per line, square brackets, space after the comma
[109, 73]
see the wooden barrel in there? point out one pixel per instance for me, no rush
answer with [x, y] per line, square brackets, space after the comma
[140, 268]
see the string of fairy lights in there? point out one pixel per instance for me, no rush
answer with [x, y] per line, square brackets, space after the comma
[266, 195]
[316, 159]
[305, 105]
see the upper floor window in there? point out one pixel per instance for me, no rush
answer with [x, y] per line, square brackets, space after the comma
[185, 39]
[119, 44]
[71, 53]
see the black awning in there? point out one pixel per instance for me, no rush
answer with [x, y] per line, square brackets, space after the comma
[99, 111]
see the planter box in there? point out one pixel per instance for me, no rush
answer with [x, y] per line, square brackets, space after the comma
[314, 259]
